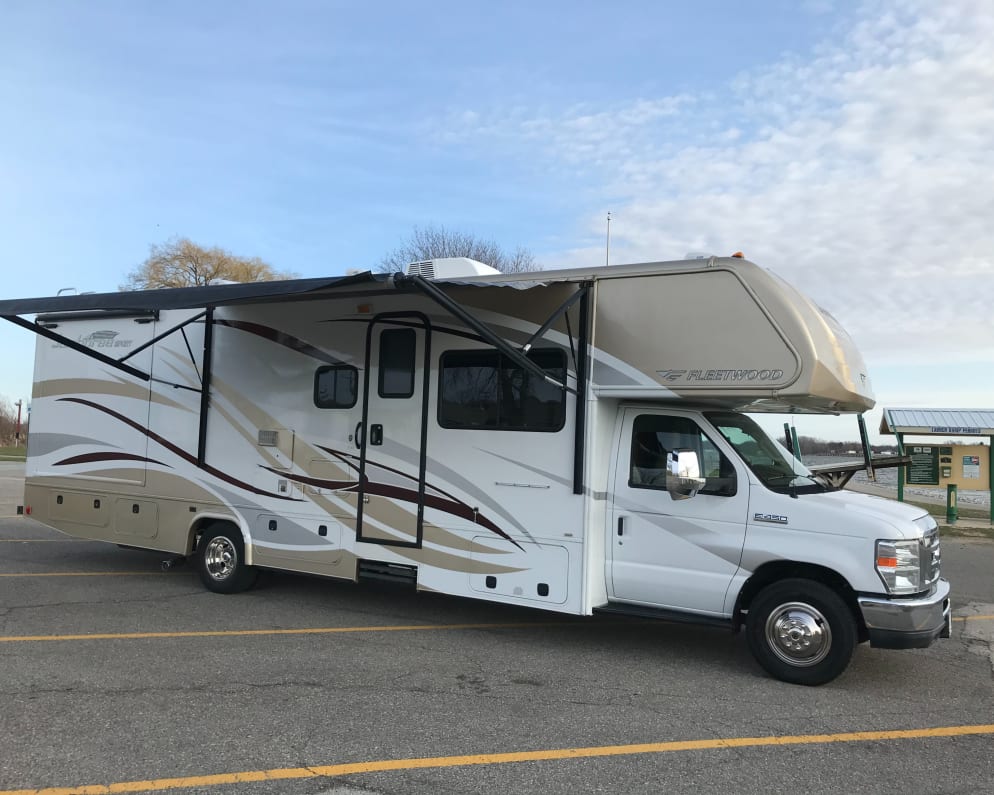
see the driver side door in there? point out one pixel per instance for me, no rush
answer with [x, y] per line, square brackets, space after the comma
[679, 554]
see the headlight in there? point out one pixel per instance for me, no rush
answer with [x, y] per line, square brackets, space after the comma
[899, 566]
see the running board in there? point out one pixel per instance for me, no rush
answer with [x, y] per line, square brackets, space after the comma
[388, 572]
[663, 614]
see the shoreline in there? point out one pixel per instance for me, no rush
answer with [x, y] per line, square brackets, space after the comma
[979, 500]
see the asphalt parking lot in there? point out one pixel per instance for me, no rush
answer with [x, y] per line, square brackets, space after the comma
[117, 677]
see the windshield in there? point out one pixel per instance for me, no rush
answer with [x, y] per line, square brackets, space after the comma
[777, 469]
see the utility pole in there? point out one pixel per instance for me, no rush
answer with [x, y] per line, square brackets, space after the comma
[607, 250]
[17, 431]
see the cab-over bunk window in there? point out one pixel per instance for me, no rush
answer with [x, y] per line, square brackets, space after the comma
[483, 389]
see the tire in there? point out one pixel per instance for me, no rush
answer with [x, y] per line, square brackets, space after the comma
[221, 560]
[801, 631]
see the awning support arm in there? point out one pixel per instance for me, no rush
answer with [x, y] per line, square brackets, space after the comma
[582, 377]
[552, 319]
[489, 336]
[73, 345]
[163, 335]
[205, 382]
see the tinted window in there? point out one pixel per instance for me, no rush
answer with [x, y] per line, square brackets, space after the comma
[485, 389]
[336, 386]
[655, 435]
[397, 349]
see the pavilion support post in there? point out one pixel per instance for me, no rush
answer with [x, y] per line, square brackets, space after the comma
[990, 472]
[900, 469]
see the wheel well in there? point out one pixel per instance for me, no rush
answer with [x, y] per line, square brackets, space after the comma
[199, 526]
[785, 569]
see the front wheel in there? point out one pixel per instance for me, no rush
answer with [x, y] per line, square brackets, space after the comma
[801, 631]
[221, 562]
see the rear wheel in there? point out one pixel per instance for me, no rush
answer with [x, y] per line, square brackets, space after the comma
[801, 631]
[221, 562]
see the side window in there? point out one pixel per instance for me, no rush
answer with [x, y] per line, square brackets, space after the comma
[654, 435]
[485, 390]
[336, 386]
[397, 360]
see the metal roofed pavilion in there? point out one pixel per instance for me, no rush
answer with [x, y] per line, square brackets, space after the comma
[951, 422]
[940, 422]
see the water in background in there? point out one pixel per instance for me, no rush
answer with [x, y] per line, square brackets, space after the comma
[887, 478]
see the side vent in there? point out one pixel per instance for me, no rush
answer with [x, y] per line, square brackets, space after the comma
[388, 572]
[269, 438]
[425, 268]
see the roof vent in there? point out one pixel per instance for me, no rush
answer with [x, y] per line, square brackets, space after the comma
[449, 268]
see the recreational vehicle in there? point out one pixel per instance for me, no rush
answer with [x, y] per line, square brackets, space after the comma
[576, 441]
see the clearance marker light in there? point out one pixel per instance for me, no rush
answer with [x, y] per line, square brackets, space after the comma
[738, 255]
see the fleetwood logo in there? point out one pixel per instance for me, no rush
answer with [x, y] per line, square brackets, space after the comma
[716, 376]
[104, 339]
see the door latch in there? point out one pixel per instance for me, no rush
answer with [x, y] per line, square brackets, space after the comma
[376, 434]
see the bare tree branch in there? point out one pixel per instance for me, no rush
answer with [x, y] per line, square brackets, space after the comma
[435, 242]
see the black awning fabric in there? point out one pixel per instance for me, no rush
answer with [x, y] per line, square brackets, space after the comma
[221, 294]
[187, 297]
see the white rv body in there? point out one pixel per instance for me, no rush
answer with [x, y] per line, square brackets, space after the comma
[370, 427]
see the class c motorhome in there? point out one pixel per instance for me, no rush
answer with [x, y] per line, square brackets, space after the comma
[573, 440]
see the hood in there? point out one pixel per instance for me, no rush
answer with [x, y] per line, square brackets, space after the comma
[899, 515]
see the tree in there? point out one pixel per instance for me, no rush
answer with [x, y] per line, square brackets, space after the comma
[9, 427]
[434, 242]
[182, 263]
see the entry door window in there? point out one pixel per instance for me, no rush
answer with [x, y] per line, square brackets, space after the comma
[655, 435]
[397, 362]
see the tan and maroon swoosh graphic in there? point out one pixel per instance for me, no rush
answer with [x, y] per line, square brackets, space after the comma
[446, 503]
[224, 476]
[89, 458]
[281, 338]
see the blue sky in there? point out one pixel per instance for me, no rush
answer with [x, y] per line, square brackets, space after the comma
[844, 145]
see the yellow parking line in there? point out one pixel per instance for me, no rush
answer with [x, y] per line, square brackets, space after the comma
[231, 633]
[386, 765]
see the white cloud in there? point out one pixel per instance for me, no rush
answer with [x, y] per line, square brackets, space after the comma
[862, 174]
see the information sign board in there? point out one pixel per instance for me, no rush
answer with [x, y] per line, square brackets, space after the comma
[924, 467]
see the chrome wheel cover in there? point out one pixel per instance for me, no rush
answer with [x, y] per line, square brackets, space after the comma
[220, 558]
[798, 634]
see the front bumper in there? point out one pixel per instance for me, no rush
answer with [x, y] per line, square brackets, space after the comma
[907, 623]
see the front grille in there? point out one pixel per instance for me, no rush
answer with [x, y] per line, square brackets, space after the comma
[931, 559]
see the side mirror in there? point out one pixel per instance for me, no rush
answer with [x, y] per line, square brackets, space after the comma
[683, 474]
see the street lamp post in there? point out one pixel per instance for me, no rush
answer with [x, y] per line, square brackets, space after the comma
[607, 247]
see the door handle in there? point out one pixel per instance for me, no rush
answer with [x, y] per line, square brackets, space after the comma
[358, 435]
[621, 525]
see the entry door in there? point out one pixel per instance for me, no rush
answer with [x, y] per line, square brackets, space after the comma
[393, 433]
[678, 554]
